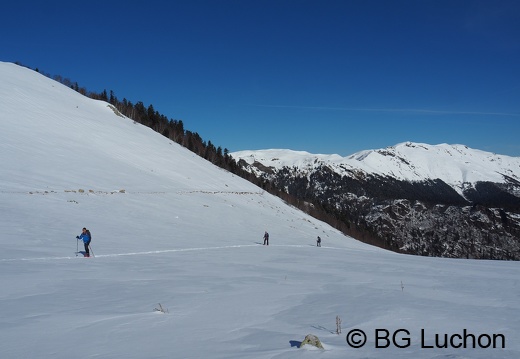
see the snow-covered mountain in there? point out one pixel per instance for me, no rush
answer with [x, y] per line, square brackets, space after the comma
[456, 165]
[74, 154]
[441, 200]
[172, 231]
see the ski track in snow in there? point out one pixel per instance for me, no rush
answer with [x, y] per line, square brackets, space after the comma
[169, 251]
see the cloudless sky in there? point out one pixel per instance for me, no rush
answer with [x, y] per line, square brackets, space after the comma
[321, 76]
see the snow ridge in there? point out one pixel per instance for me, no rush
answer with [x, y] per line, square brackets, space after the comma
[456, 165]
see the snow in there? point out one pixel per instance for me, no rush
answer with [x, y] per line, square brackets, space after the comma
[169, 229]
[456, 165]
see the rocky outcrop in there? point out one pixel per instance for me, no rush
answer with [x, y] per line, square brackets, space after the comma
[313, 340]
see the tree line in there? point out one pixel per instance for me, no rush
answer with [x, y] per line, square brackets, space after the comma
[168, 127]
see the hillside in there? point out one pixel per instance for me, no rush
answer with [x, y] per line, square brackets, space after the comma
[442, 200]
[171, 230]
[61, 148]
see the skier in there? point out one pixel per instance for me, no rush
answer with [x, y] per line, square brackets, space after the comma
[318, 242]
[266, 238]
[86, 238]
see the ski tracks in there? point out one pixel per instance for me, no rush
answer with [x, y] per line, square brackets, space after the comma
[194, 249]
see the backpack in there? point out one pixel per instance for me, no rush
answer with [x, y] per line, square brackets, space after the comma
[90, 235]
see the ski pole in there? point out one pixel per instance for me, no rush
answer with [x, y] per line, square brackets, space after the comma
[77, 248]
[91, 251]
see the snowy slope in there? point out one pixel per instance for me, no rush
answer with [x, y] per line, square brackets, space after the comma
[48, 128]
[62, 147]
[170, 228]
[456, 165]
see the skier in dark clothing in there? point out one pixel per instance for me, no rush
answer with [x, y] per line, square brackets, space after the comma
[266, 238]
[318, 242]
[86, 238]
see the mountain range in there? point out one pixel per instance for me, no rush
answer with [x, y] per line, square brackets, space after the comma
[441, 200]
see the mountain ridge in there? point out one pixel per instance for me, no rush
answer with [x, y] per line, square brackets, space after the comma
[405, 161]
[439, 200]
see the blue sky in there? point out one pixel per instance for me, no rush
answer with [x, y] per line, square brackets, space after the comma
[320, 76]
